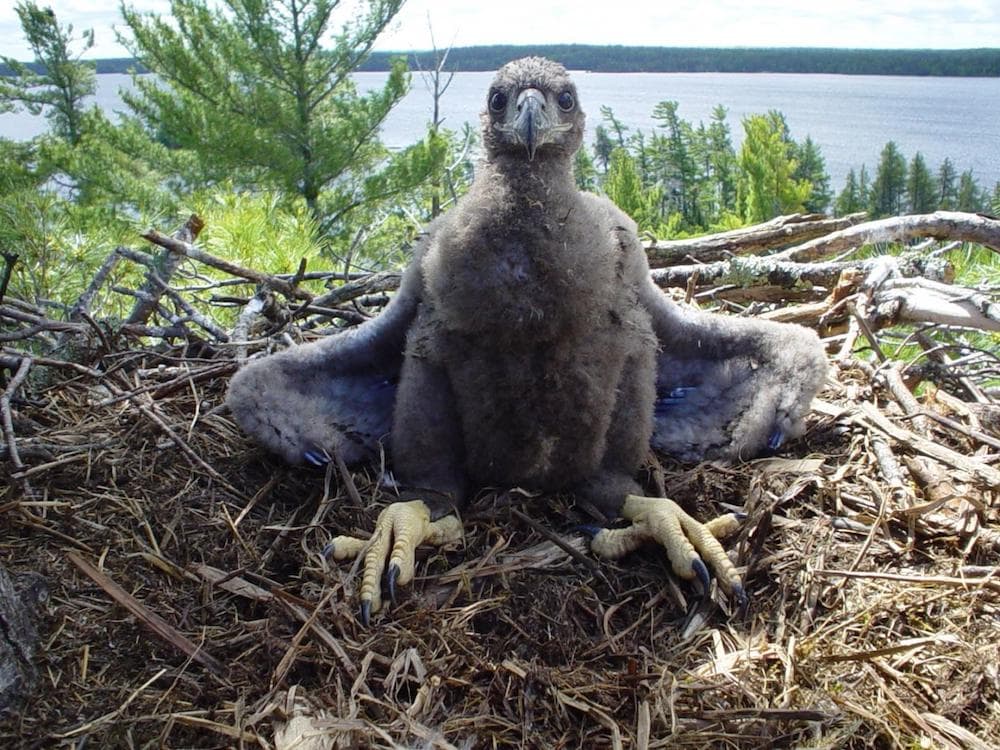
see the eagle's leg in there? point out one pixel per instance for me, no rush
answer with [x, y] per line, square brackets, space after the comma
[400, 528]
[428, 459]
[689, 544]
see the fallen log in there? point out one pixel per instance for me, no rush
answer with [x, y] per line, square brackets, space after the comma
[941, 225]
[779, 232]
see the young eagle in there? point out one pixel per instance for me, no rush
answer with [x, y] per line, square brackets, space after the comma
[528, 346]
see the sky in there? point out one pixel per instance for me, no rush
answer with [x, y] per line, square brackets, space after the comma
[709, 23]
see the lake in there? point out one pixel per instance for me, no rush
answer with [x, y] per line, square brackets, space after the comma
[849, 117]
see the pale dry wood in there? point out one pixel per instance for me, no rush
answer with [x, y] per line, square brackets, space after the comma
[161, 271]
[941, 225]
[869, 416]
[778, 232]
[920, 300]
[189, 250]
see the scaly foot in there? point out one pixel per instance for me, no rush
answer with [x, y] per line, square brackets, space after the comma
[399, 529]
[689, 544]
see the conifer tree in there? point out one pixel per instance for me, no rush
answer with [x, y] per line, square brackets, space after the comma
[888, 192]
[722, 161]
[253, 89]
[64, 82]
[969, 197]
[921, 196]
[675, 165]
[623, 185]
[852, 198]
[947, 193]
[812, 167]
[767, 185]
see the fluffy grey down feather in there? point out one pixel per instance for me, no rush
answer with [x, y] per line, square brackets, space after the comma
[527, 344]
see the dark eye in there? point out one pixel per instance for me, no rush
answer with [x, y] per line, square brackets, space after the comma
[498, 101]
[566, 101]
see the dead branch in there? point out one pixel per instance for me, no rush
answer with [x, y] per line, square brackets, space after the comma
[924, 301]
[773, 271]
[6, 413]
[163, 269]
[781, 231]
[941, 225]
[187, 249]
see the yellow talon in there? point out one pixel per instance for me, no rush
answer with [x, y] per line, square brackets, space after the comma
[399, 529]
[686, 541]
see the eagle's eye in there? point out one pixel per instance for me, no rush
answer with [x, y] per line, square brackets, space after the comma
[498, 101]
[566, 101]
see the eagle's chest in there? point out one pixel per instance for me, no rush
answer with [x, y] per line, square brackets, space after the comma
[531, 411]
[523, 279]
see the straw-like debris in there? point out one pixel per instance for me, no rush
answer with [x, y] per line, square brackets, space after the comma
[163, 581]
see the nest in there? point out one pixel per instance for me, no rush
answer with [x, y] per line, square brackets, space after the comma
[187, 601]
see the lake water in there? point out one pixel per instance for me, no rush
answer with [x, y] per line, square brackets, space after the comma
[849, 117]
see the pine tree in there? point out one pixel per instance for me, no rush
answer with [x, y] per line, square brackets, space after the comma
[767, 186]
[812, 167]
[675, 165]
[921, 195]
[603, 146]
[850, 200]
[969, 197]
[255, 93]
[888, 192]
[722, 161]
[623, 186]
[584, 171]
[61, 88]
[947, 194]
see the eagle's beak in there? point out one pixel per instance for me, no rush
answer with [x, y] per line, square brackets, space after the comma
[532, 120]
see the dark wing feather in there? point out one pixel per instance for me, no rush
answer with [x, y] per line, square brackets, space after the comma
[333, 395]
[727, 387]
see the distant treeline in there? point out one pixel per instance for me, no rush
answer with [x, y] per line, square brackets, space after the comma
[619, 59]
[107, 65]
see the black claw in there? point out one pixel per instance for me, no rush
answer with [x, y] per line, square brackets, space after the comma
[366, 613]
[740, 594]
[589, 529]
[390, 579]
[776, 439]
[673, 397]
[316, 458]
[739, 515]
[701, 570]
[328, 549]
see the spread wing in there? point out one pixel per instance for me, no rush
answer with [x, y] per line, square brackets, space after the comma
[728, 387]
[337, 394]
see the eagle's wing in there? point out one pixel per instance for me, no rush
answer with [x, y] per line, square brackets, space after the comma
[337, 394]
[729, 387]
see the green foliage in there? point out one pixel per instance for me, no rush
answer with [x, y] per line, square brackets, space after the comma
[921, 196]
[258, 230]
[812, 168]
[673, 163]
[970, 198]
[888, 193]
[61, 82]
[252, 91]
[767, 185]
[624, 186]
[584, 171]
[854, 197]
[947, 193]
[721, 164]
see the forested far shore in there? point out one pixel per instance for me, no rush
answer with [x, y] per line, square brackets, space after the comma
[621, 59]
